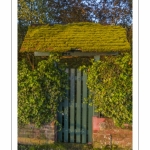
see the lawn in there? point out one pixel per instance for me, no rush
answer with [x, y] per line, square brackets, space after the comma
[66, 146]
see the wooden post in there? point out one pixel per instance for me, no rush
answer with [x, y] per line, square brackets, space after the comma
[97, 58]
[84, 110]
[66, 114]
[91, 114]
[72, 108]
[78, 107]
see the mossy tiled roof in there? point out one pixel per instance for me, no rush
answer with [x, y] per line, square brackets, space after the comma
[89, 37]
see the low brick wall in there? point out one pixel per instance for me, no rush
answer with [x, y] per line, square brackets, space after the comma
[46, 133]
[106, 133]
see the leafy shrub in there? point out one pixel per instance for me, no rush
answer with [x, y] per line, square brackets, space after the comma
[39, 91]
[110, 85]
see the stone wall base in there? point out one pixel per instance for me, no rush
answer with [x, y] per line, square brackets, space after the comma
[106, 133]
[46, 133]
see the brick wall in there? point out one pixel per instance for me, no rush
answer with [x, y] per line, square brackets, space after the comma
[105, 133]
[30, 133]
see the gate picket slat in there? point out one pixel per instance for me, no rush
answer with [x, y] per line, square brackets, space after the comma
[77, 119]
[66, 114]
[78, 110]
[72, 108]
[84, 110]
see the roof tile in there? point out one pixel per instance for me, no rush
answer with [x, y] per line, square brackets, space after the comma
[85, 36]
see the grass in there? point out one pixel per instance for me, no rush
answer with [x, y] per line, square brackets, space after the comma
[41, 144]
[56, 146]
[67, 146]
[26, 141]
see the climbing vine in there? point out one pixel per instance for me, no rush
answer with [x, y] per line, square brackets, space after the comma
[110, 85]
[40, 91]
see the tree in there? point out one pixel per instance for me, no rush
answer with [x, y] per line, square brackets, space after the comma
[33, 12]
[110, 85]
[114, 12]
[69, 11]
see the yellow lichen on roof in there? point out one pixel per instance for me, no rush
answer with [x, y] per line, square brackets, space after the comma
[89, 37]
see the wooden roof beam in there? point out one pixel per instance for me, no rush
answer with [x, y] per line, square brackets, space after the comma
[76, 53]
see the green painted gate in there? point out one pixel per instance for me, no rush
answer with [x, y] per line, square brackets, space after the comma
[75, 116]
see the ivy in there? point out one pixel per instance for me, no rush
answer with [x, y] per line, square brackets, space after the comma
[39, 91]
[110, 85]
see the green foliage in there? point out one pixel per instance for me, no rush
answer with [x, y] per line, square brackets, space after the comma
[31, 12]
[39, 91]
[110, 85]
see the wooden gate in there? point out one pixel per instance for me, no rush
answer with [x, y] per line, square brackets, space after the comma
[75, 116]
